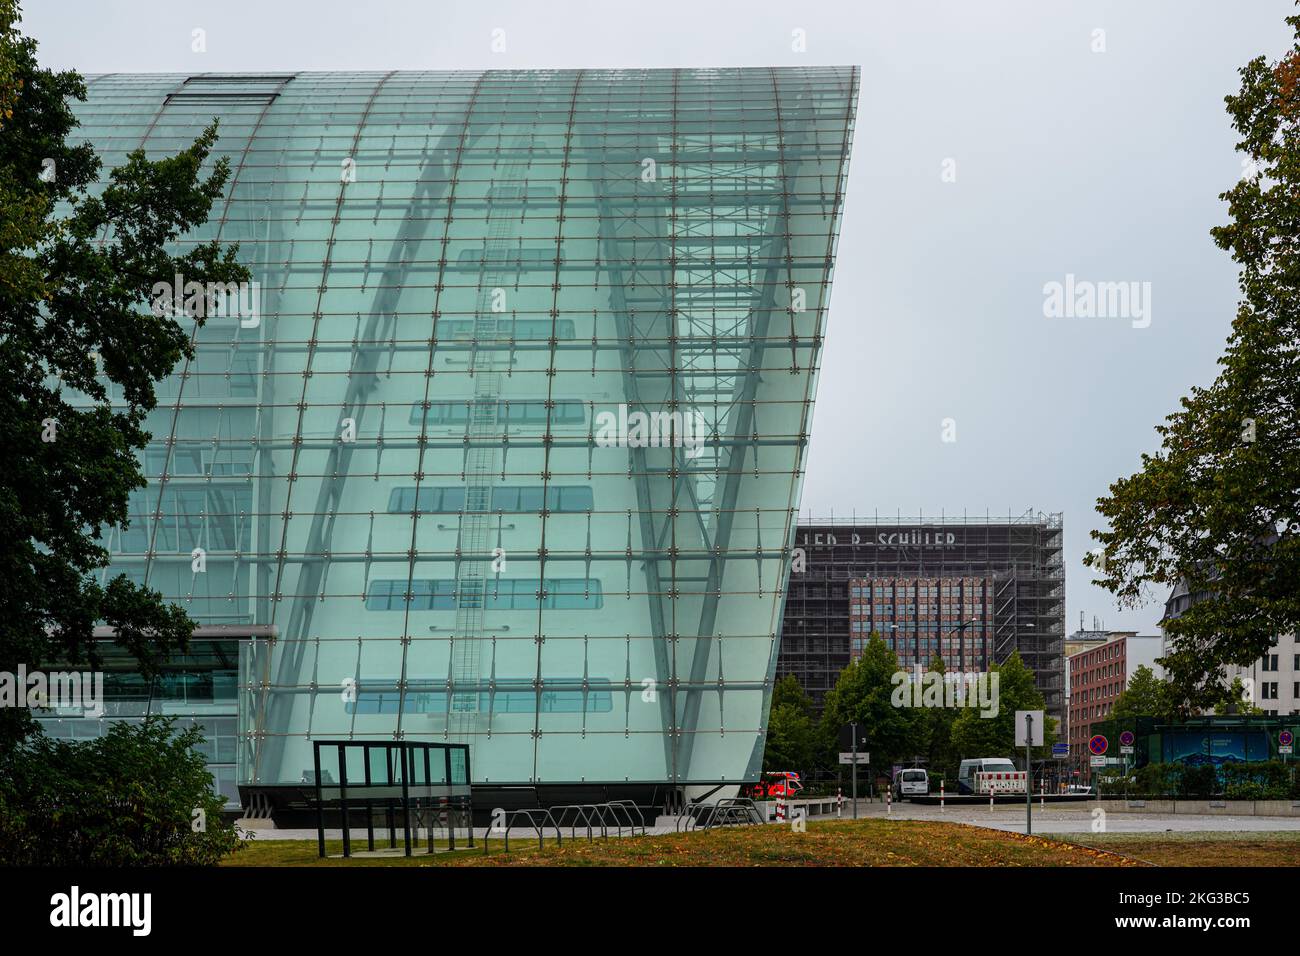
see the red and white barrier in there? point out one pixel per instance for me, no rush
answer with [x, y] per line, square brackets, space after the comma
[1007, 781]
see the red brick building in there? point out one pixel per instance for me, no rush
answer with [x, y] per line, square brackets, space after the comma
[1097, 676]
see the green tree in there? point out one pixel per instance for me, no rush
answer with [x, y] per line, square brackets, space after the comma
[788, 690]
[141, 795]
[75, 325]
[1218, 505]
[1236, 700]
[792, 740]
[1145, 696]
[974, 735]
[793, 736]
[863, 694]
[941, 758]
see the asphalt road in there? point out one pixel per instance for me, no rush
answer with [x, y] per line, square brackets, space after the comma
[1078, 818]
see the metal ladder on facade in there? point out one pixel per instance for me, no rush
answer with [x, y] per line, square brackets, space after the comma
[474, 574]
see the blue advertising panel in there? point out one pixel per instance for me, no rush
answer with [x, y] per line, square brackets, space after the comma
[1196, 748]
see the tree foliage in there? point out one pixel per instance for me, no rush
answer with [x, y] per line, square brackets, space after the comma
[1236, 699]
[141, 795]
[863, 695]
[974, 735]
[80, 354]
[1145, 696]
[793, 736]
[1218, 505]
[942, 758]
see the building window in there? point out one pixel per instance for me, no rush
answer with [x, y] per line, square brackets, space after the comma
[558, 695]
[507, 499]
[511, 594]
[564, 412]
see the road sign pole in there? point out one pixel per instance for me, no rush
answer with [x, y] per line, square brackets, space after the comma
[1029, 794]
[854, 728]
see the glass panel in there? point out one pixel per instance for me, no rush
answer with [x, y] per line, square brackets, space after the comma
[512, 431]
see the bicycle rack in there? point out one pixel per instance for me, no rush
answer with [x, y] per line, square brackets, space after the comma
[628, 807]
[615, 814]
[583, 813]
[538, 819]
[731, 812]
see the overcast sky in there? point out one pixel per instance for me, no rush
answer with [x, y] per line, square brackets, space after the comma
[999, 147]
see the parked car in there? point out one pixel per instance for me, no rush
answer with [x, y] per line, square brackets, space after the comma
[911, 783]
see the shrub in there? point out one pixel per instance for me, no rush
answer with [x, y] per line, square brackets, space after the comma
[1247, 790]
[140, 795]
[1257, 781]
[1157, 780]
[1236, 781]
[1198, 782]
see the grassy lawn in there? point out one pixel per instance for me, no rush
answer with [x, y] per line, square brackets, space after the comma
[830, 843]
[1210, 848]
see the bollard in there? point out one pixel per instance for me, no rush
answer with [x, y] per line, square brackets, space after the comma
[941, 796]
[839, 802]
[889, 802]
[990, 799]
[1042, 794]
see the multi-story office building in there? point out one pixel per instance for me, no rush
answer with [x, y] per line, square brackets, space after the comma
[1098, 674]
[506, 445]
[973, 590]
[920, 618]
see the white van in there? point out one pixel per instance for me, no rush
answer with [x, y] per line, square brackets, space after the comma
[966, 773]
[911, 783]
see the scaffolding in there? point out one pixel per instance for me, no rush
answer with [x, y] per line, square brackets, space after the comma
[1019, 558]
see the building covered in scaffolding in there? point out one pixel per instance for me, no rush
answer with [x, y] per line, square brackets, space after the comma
[970, 590]
[506, 446]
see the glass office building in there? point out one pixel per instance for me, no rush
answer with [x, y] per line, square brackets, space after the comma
[505, 445]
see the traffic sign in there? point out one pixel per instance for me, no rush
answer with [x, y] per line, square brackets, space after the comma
[1125, 750]
[1097, 745]
[1286, 738]
[863, 757]
[1099, 761]
[1284, 749]
[847, 733]
[1061, 751]
[1126, 738]
[1029, 728]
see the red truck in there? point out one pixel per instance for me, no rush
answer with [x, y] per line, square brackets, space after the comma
[784, 783]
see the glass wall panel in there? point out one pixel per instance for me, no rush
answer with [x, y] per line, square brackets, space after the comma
[509, 451]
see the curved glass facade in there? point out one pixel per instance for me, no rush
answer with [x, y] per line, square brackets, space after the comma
[506, 444]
